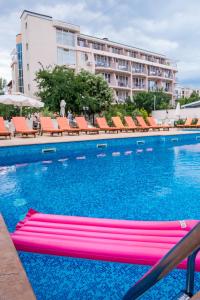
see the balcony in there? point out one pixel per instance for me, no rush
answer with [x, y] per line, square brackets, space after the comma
[102, 64]
[167, 90]
[155, 73]
[123, 85]
[141, 71]
[123, 68]
[153, 88]
[83, 44]
[139, 87]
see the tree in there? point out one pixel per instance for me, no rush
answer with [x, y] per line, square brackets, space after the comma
[3, 83]
[92, 93]
[193, 97]
[55, 85]
[82, 92]
[145, 100]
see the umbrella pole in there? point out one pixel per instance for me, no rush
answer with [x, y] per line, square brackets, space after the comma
[20, 110]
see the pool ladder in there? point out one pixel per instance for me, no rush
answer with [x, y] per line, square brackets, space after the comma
[187, 247]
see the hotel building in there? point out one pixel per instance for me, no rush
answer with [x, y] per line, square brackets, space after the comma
[45, 42]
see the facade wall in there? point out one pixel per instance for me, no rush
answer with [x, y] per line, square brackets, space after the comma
[128, 70]
[170, 114]
[183, 92]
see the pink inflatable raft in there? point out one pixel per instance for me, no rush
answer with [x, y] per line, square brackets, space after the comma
[134, 242]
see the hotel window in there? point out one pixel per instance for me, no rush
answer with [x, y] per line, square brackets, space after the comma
[122, 95]
[97, 46]
[27, 67]
[101, 60]
[66, 57]
[123, 64]
[116, 50]
[26, 25]
[138, 82]
[29, 87]
[106, 77]
[83, 57]
[122, 80]
[138, 68]
[82, 43]
[152, 85]
[64, 37]
[26, 46]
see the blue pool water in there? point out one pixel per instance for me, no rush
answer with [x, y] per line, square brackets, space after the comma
[152, 178]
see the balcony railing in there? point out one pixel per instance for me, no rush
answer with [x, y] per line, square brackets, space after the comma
[102, 64]
[123, 84]
[123, 68]
[153, 88]
[155, 73]
[83, 44]
[141, 71]
[139, 86]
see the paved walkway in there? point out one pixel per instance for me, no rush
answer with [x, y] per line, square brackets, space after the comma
[14, 284]
[85, 137]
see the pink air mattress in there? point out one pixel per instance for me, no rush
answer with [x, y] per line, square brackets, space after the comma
[134, 242]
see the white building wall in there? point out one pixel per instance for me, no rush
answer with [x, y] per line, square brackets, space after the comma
[170, 115]
[39, 45]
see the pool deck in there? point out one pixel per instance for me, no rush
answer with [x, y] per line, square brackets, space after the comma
[17, 141]
[14, 284]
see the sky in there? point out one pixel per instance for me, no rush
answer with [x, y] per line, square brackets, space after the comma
[169, 27]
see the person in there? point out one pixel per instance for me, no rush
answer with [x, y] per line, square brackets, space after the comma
[36, 122]
[70, 117]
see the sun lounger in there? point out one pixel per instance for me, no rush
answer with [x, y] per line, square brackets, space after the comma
[3, 130]
[152, 123]
[118, 124]
[197, 125]
[143, 124]
[21, 127]
[131, 124]
[63, 124]
[47, 126]
[103, 125]
[188, 123]
[83, 126]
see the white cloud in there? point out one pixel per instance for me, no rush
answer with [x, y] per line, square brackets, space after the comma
[171, 28]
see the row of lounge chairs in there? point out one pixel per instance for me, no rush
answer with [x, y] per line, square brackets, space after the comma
[63, 125]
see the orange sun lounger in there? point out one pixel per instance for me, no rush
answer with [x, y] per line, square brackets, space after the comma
[3, 130]
[131, 124]
[118, 124]
[143, 124]
[47, 126]
[197, 125]
[63, 124]
[103, 125]
[21, 127]
[188, 123]
[152, 123]
[83, 126]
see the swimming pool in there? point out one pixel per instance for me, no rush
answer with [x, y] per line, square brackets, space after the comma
[135, 178]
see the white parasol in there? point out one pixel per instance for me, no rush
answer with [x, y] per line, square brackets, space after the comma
[62, 108]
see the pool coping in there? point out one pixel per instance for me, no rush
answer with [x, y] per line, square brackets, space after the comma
[14, 284]
[39, 140]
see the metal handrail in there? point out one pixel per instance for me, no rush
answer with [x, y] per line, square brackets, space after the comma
[186, 247]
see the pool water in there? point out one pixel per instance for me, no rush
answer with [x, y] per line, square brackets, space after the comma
[149, 180]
